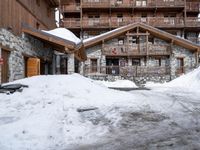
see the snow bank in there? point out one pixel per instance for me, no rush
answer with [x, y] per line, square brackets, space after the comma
[44, 116]
[65, 34]
[190, 81]
[119, 84]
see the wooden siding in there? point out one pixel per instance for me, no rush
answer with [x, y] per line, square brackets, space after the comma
[15, 12]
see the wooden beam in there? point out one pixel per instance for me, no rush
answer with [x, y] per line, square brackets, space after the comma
[137, 34]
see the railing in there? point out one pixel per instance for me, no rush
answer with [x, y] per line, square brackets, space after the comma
[72, 23]
[135, 71]
[101, 22]
[153, 21]
[193, 6]
[135, 50]
[131, 4]
[93, 4]
[114, 22]
[71, 7]
[193, 22]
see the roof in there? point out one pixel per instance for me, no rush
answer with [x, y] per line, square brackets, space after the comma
[59, 44]
[152, 30]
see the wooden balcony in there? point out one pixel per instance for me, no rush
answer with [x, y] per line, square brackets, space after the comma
[153, 21]
[193, 7]
[192, 22]
[96, 4]
[131, 4]
[71, 8]
[135, 50]
[134, 71]
[114, 22]
[72, 23]
[96, 23]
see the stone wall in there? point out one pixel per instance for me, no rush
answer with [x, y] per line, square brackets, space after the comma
[20, 46]
[166, 61]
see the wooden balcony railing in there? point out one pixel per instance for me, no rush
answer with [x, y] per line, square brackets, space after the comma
[102, 22]
[134, 71]
[93, 4]
[72, 23]
[192, 22]
[131, 4]
[193, 6]
[114, 22]
[71, 8]
[153, 21]
[135, 50]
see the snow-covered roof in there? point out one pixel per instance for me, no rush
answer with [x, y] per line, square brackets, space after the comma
[64, 34]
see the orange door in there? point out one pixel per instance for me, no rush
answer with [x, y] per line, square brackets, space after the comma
[33, 67]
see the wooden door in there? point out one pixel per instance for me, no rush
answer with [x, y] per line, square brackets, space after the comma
[33, 67]
[180, 65]
[93, 65]
[5, 67]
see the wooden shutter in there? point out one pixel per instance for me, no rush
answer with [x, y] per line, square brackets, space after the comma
[33, 67]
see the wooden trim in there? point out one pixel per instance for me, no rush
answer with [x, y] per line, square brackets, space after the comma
[154, 31]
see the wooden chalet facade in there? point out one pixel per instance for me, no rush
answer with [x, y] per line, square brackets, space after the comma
[24, 49]
[154, 40]
[139, 52]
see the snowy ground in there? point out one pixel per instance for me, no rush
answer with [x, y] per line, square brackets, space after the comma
[45, 116]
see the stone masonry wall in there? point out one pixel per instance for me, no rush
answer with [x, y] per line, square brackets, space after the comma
[168, 61]
[20, 46]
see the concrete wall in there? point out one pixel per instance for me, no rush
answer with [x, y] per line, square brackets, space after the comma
[20, 46]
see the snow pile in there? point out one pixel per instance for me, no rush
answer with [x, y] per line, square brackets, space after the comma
[44, 116]
[190, 80]
[119, 84]
[64, 34]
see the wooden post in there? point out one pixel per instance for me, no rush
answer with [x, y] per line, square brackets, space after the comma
[185, 13]
[81, 19]
[147, 46]
[127, 43]
[138, 39]
[197, 57]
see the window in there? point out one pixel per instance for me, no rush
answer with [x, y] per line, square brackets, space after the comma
[158, 62]
[119, 1]
[136, 62]
[141, 2]
[119, 17]
[120, 41]
[144, 17]
[135, 40]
